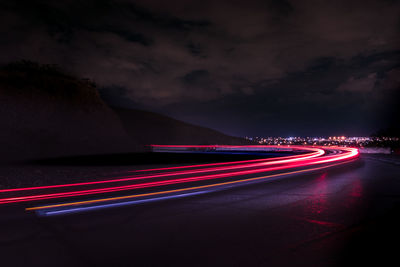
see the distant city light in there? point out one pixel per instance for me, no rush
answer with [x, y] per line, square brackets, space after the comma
[353, 141]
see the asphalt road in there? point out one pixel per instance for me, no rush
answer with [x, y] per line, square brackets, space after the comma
[344, 216]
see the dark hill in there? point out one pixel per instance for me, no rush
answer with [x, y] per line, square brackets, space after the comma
[45, 112]
[152, 128]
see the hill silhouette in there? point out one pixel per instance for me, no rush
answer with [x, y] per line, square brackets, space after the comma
[46, 112]
[152, 128]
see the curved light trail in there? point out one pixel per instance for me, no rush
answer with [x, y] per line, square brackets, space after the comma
[235, 164]
[185, 180]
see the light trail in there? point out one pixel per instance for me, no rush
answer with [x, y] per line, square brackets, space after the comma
[225, 163]
[167, 192]
[210, 173]
[240, 164]
[153, 184]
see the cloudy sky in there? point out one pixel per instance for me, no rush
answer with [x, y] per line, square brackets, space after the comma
[243, 67]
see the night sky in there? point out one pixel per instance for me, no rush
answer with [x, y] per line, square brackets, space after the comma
[256, 68]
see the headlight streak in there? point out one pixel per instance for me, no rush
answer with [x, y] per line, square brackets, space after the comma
[229, 169]
[240, 164]
[317, 152]
[51, 211]
[70, 207]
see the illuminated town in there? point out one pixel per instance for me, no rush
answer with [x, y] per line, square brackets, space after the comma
[360, 142]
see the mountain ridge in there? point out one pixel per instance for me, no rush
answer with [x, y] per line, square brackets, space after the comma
[45, 112]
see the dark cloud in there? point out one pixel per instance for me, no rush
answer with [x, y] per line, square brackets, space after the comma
[196, 49]
[354, 96]
[197, 78]
[244, 67]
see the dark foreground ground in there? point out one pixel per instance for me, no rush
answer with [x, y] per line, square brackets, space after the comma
[346, 216]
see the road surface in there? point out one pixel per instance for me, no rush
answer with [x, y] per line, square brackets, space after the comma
[342, 216]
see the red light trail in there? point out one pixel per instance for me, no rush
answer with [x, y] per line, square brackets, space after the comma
[186, 178]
